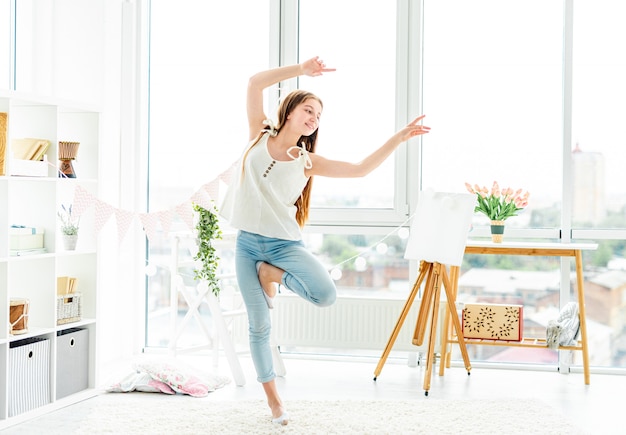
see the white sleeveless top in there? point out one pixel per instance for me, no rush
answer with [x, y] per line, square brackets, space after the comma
[261, 199]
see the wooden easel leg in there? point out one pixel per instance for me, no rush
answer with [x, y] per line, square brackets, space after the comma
[434, 314]
[425, 306]
[451, 296]
[405, 311]
[445, 350]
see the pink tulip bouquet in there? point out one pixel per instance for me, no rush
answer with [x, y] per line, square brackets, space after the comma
[498, 204]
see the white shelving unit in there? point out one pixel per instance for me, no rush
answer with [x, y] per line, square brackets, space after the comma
[34, 202]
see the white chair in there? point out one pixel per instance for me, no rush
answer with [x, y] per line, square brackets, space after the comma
[194, 297]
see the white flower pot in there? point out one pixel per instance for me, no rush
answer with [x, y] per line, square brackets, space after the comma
[69, 241]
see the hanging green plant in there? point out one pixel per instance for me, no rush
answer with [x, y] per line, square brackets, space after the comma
[207, 230]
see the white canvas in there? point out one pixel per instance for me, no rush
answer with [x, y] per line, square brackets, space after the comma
[440, 226]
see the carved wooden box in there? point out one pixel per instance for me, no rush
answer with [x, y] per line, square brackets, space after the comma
[493, 322]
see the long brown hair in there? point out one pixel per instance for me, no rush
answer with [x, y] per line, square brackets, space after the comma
[291, 101]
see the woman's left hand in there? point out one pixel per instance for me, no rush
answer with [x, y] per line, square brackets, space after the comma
[414, 128]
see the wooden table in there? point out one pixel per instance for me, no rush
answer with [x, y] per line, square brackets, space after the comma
[531, 249]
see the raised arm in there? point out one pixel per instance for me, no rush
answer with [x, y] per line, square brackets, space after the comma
[339, 169]
[256, 85]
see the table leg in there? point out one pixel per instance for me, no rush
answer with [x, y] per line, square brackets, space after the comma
[581, 312]
[445, 334]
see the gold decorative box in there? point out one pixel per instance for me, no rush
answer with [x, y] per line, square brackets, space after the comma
[493, 322]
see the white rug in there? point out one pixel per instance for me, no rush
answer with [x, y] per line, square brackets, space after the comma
[143, 413]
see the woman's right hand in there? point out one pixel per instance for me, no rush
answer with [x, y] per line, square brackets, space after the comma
[314, 67]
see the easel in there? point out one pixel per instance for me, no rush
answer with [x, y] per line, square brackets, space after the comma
[435, 275]
[438, 235]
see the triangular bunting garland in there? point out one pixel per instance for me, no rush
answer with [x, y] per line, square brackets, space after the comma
[202, 198]
[149, 222]
[185, 212]
[82, 201]
[124, 219]
[103, 213]
[213, 189]
[165, 217]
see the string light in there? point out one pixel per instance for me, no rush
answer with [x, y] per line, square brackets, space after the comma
[150, 270]
[403, 233]
[335, 271]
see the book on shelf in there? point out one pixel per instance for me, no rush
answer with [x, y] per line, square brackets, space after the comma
[16, 230]
[24, 252]
[66, 285]
[29, 148]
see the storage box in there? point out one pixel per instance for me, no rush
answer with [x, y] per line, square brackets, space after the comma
[29, 168]
[24, 238]
[29, 375]
[72, 361]
[493, 322]
[69, 308]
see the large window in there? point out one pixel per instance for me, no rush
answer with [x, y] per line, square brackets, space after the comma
[599, 111]
[493, 97]
[525, 93]
[359, 98]
[501, 96]
[199, 69]
[598, 153]
[6, 38]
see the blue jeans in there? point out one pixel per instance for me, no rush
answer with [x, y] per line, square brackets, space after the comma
[304, 275]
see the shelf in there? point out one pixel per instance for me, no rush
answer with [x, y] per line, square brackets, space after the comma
[525, 342]
[34, 202]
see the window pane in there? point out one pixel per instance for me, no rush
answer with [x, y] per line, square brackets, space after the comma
[598, 157]
[371, 265]
[599, 148]
[198, 125]
[359, 98]
[493, 97]
[5, 43]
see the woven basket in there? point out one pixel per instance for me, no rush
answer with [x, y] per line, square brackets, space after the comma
[69, 308]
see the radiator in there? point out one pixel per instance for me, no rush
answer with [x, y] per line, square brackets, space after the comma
[359, 323]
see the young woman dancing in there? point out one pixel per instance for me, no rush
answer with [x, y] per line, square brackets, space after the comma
[268, 203]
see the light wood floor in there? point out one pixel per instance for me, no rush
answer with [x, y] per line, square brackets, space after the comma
[596, 408]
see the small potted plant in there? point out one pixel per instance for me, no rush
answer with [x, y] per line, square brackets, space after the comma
[69, 227]
[498, 205]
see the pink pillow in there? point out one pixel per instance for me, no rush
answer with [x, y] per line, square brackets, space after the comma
[178, 380]
[143, 382]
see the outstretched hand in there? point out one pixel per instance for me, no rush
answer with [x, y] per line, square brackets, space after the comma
[314, 67]
[413, 128]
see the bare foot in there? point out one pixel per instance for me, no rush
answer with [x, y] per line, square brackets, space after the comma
[267, 278]
[279, 415]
